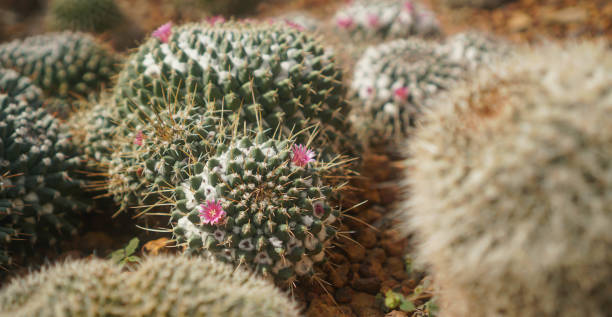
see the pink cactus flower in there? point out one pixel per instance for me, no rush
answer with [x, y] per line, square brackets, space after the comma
[408, 6]
[215, 19]
[318, 209]
[369, 91]
[294, 25]
[401, 93]
[212, 213]
[138, 138]
[302, 155]
[373, 20]
[163, 32]
[345, 23]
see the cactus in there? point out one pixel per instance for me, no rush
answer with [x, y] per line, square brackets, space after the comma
[84, 15]
[258, 202]
[165, 286]
[476, 49]
[16, 86]
[300, 20]
[261, 74]
[76, 288]
[62, 64]
[393, 82]
[364, 20]
[39, 179]
[510, 182]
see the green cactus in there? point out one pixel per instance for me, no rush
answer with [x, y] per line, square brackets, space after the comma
[364, 20]
[160, 286]
[16, 86]
[39, 175]
[260, 74]
[394, 81]
[510, 181]
[476, 49]
[84, 15]
[62, 64]
[258, 202]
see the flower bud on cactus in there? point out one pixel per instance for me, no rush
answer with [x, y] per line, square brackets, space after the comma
[39, 179]
[393, 81]
[384, 20]
[259, 202]
[261, 74]
[84, 15]
[62, 64]
[160, 286]
[510, 180]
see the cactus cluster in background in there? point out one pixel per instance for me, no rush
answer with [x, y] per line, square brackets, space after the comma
[160, 286]
[259, 202]
[393, 83]
[385, 20]
[62, 64]
[84, 15]
[510, 187]
[260, 74]
[476, 49]
[300, 20]
[39, 173]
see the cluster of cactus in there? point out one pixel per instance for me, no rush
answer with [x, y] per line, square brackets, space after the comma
[260, 74]
[393, 83]
[62, 64]
[39, 172]
[164, 286]
[385, 20]
[258, 202]
[84, 15]
[476, 49]
[510, 181]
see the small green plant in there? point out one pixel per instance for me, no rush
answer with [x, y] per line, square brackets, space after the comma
[394, 300]
[126, 254]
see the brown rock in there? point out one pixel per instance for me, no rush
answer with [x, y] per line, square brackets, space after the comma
[396, 313]
[338, 276]
[319, 307]
[377, 254]
[367, 237]
[343, 295]
[355, 251]
[519, 22]
[369, 215]
[389, 284]
[392, 247]
[369, 312]
[362, 300]
[369, 285]
[370, 269]
[397, 267]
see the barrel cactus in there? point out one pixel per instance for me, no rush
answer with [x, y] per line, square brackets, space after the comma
[383, 20]
[394, 81]
[84, 15]
[259, 202]
[260, 74]
[166, 286]
[62, 64]
[510, 187]
[476, 49]
[39, 175]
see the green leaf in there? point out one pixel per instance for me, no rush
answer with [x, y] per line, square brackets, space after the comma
[132, 258]
[407, 306]
[132, 246]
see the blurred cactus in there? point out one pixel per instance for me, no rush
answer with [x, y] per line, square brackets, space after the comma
[476, 49]
[161, 286]
[394, 81]
[364, 20]
[62, 64]
[39, 172]
[84, 15]
[510, 181]
[17, 86]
